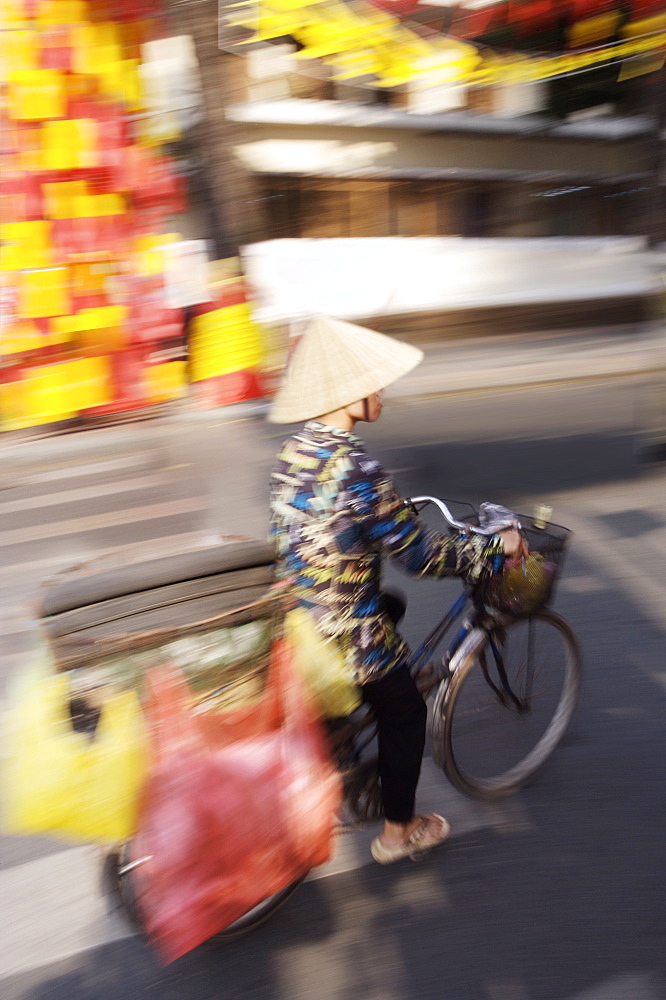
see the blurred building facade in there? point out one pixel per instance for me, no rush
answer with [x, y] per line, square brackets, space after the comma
[334, 169]
[321, 157]
[321, 120]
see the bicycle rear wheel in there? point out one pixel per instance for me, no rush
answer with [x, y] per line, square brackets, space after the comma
[119, 873]
[488, 742]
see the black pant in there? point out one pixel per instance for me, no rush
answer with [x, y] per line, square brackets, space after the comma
[401, 717]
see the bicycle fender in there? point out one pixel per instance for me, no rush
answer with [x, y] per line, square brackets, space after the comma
[465, 648]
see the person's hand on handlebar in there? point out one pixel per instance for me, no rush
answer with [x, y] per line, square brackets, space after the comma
[515, 546]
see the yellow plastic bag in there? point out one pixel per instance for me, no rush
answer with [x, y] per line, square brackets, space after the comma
[322, 666]
[61, 782]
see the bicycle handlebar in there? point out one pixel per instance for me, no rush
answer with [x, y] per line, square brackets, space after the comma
[450, 519]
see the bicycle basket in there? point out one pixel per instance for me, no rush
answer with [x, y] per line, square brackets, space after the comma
[519, 589]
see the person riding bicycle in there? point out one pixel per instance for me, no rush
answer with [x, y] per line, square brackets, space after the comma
[334, 513]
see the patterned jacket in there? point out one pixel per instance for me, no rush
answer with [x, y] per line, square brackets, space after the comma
[334, 514]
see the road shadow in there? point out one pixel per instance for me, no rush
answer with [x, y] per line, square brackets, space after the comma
[497, 470]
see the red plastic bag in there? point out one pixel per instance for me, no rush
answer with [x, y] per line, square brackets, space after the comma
[237, 806]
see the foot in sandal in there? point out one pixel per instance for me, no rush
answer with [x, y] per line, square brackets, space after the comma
[420, 835]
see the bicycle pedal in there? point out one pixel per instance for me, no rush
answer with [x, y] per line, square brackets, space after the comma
[346, 827]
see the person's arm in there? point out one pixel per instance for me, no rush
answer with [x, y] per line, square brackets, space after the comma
[393, 528]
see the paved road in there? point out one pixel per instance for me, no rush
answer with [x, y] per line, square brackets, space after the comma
[554, 895]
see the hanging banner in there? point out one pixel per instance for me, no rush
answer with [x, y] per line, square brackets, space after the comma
[83, 207]
[373, 47]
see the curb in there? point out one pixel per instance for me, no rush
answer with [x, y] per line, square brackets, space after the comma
[468, 380]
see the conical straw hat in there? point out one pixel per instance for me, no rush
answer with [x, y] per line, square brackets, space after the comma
[337, 363]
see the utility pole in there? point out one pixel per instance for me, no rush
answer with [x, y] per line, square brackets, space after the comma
[656, 166]
[229, 192]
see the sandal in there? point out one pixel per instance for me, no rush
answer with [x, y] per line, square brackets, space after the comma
[430, 832]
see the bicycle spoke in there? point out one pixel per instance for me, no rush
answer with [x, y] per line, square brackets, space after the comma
[531, 642]
[486, 742]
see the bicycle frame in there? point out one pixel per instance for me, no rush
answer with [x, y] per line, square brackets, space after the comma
[429, 644]
[424, 651]
[466, 601]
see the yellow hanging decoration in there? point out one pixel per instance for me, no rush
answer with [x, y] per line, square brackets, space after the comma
[363, 41]
[225, 340]
[27, 244]
[43, 293]
[36, 95]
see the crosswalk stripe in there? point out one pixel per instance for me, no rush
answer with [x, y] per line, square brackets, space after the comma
[66, 916]
[91, 468]
[183, 539]
[93, 522]
[84, 493]
[604, 549]
[70, 913]
[626, 986]
[16, 627]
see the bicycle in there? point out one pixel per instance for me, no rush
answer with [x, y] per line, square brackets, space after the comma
[505, 669]
[510, 674]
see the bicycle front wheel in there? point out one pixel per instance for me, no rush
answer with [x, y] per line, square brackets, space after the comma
[490, 733]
